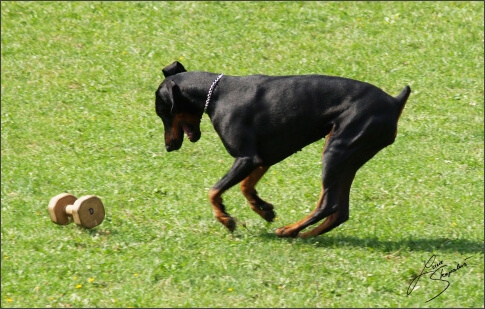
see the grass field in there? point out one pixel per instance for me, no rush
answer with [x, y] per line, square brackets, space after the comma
[77, 116]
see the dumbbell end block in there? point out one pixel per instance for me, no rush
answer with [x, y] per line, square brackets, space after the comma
[57, 208]
[88, 211]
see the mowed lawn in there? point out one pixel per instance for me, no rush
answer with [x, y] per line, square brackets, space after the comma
[77, 115]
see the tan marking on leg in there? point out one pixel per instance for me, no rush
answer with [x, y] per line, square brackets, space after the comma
[259, 206]
[249, 183]
[215, 198]
[325, 226]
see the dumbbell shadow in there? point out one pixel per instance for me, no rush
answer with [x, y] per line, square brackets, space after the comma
[87, 211]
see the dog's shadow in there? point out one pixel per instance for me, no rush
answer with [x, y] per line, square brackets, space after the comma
[438, 244]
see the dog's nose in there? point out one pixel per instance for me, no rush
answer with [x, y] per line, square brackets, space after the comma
[172, 147]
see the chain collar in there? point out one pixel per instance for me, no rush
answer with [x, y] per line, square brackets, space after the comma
[209, 94]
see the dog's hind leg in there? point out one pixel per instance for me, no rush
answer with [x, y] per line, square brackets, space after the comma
[344, 153]
[242, 168]
[335, 219]
[340, 193]
[262, 208]
[292, 230]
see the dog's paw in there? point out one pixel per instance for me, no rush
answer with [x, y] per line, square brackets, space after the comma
[268, 211]
[228, 222]
[286, 232]
[265, 210]
[269, 215]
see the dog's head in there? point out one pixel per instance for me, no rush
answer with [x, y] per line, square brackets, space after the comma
[177, 114]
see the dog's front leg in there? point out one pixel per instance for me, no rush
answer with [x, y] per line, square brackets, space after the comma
[241, 168]
[258, 205]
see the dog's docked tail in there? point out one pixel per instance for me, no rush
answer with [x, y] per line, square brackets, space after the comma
[402, 98]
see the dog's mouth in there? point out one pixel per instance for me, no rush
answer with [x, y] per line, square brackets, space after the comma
[192, 133]
[187, 131]
[175, 138]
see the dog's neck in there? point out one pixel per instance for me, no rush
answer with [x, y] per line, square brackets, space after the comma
[195, 87]
[209, 94]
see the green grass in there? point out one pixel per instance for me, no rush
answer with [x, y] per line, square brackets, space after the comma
[77, 115]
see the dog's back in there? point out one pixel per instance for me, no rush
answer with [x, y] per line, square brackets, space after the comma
[302, 109]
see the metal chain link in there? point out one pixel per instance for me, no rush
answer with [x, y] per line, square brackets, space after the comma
[209, 94]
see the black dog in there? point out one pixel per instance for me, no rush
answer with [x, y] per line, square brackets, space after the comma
[261, 120]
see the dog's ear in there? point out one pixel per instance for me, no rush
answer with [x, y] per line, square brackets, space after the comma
[169, 92]
[173, 69]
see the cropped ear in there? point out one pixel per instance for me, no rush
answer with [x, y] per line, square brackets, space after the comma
[173, 69]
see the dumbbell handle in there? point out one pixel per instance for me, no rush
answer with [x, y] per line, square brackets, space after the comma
[70, 208]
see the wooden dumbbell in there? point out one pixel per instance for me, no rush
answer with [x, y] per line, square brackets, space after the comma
[87, 211]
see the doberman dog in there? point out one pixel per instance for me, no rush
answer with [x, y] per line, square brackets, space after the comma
[262, 120]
